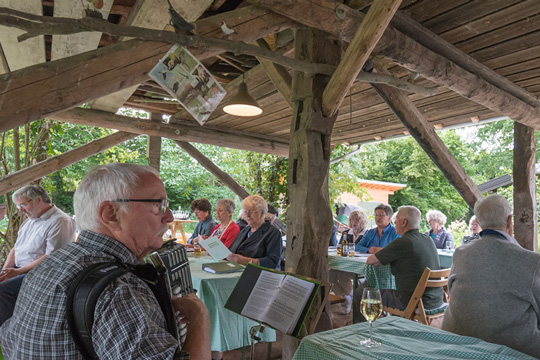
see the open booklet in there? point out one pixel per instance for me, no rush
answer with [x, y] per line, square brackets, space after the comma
[280, 300]
[215, 248]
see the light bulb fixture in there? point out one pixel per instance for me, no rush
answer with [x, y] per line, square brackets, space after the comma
[243, 104]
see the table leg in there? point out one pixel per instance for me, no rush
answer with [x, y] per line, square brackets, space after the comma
[183, 233]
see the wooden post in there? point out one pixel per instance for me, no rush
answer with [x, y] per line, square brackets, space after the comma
[46, 167]
[525, 217]
[153, 145]
[310, 217]
[216, 171]
[429, 141]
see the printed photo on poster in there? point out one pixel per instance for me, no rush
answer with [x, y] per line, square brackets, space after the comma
[188, 81]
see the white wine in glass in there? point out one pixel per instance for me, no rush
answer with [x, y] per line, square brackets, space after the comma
[371, 308]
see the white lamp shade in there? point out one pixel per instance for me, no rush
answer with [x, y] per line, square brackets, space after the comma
[243, 104]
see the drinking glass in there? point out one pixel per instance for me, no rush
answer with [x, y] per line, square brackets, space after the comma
[371, 308]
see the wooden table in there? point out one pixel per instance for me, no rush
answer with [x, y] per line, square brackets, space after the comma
[401, 339]
[176, 225]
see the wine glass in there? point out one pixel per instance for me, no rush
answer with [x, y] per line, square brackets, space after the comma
[371, 308]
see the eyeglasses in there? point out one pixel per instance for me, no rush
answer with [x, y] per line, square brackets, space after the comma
[380, 215]
[163, 203]
[23, 205]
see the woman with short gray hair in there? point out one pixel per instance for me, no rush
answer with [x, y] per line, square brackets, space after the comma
[437, 232]
[227, 229]
[259, 242]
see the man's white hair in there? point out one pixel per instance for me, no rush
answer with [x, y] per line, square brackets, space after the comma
[412, 214]
[105, 183]
[492, 212]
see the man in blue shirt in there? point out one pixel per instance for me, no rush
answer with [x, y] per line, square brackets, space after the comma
[377, 238]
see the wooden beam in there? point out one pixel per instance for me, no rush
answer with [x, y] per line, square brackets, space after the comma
[67, 45]
[153, 144]
[44, 89]
[177, 131]
[525, 217]
[22, 177]
[401, 49]
[214, 169]
[279, 76]
[29, 53]
[434, 42]
[362, 44]
[309, 162]
[151, 15]
[429, 141]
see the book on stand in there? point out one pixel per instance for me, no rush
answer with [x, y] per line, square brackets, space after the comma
[279, 300]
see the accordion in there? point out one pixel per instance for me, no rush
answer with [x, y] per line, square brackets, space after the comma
[174, 278]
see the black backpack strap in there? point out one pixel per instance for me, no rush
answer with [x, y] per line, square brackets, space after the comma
[82, 296]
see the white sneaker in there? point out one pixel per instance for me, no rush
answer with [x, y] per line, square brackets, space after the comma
[347, 305]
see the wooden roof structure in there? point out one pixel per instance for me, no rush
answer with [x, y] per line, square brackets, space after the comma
[500, 37]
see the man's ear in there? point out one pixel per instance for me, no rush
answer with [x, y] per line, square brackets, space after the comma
[509, 226]
[108, 215]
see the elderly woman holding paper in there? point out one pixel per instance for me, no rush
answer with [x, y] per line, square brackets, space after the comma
[227, 230]
[259, 242]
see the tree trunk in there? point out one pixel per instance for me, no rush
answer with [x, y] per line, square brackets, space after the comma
[310, 216]
[525, 220]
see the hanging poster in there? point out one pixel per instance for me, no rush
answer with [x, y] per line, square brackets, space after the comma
[188, 81]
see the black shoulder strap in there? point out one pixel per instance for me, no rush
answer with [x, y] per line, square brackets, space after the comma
[82, 296]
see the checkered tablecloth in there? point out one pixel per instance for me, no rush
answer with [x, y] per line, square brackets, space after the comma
[379, 277]
[401, 339]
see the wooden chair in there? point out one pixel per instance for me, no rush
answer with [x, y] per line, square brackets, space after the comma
[415, 308]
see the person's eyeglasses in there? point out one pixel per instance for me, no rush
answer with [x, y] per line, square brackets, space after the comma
[380, 215]
[23, 205]
[163, 203]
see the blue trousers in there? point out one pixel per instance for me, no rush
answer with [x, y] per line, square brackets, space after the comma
[9, 291]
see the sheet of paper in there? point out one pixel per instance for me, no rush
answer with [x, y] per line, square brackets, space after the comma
[286, 308]
[262, 295]
[216, 249]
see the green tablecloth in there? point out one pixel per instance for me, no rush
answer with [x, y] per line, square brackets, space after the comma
[401, 339]
[445, 258]
[379, 277]
[228, 330]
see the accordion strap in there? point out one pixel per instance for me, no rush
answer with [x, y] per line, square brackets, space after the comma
[84, 292]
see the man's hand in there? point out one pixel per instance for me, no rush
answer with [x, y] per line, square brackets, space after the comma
[8, 273]
[374, 249]
[190, 307]
[372, 260]
[198, 330]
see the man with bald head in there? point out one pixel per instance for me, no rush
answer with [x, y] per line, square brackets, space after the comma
[122, 213]
[408, 256]
[495, 284]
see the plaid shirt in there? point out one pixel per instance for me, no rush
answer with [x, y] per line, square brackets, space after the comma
[128, 322]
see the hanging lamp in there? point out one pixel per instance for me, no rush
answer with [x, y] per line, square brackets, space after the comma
[243, 104]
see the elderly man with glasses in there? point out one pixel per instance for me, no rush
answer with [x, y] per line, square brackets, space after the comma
[45, 230]
[122, 213]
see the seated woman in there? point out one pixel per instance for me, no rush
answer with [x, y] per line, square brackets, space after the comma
[438, 233]
[343, 281]
[475, 227]
[227, 230]
[202, 209]
[259, 242]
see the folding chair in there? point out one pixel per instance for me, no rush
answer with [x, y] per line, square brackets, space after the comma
[415, 308]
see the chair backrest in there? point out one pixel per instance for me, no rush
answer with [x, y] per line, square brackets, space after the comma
[429, 278]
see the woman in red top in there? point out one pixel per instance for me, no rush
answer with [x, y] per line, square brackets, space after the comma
[227, 230]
